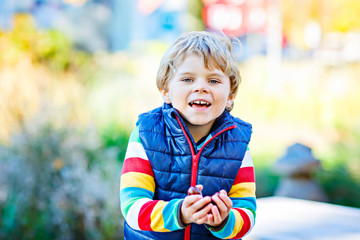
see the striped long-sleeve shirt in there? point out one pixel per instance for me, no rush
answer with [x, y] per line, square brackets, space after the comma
[141, 212]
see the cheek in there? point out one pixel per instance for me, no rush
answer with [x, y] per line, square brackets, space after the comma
[177, 97]
[179, 92]
[223, 96]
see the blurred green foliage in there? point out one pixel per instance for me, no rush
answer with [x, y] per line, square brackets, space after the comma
[58, 183]
[340, 174]
[266, 180]
[115, 137]
[59, 179]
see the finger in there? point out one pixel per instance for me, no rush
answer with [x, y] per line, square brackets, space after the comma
[190, 212]
[202, 220]
[201, 203]
[219, 202]
[223, 191]
[225, 198]
[224, 207]
[200, 187]
[203, 212]
[216, 215]
[191, 200]
[210, 219]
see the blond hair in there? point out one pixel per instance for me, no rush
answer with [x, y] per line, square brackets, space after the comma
[214, 49]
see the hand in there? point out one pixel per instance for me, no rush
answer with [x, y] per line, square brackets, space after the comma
[221, 210]
[195, 208]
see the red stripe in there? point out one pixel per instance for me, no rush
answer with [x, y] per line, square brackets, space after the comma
[194, 163]
[245, 174]
[226, 129]
[137, 165]
[145, 215]
[187, 137]
[246, 227]
[193, 171]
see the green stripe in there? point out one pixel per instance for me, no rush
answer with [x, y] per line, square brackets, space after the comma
[134, 137]
[125, 207]
[253, 212]
[175, 211]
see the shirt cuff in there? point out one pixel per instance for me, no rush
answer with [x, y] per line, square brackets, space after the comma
[181, 224]
[219, 228]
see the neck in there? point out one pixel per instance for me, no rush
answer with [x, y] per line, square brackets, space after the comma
[199, 131]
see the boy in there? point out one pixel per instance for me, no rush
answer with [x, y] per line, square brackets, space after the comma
[191, 140]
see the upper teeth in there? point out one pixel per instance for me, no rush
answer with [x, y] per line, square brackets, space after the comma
[200, 102]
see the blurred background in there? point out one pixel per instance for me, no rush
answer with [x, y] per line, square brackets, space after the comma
[75, 74]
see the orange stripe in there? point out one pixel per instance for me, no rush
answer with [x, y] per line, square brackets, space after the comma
[140, 180]
[157, 219]
[245, 189]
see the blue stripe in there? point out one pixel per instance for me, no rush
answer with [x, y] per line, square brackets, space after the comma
[248, 202]
[132, 192]
[170, 215]
[198, 147]
[228, 228]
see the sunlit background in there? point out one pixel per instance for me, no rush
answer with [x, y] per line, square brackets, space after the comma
[75, 74]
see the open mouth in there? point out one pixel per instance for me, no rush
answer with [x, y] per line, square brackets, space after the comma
[199, 104]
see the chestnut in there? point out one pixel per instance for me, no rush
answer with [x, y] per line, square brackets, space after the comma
[193, 191]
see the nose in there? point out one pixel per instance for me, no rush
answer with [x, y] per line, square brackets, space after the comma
[201, 86]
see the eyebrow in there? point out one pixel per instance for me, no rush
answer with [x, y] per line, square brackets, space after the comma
[185, 73]
[217, 74]
[212, 74]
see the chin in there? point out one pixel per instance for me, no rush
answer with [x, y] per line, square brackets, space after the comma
[200, 122]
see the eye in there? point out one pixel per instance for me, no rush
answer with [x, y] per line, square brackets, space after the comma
[214, 81]
[187, 80]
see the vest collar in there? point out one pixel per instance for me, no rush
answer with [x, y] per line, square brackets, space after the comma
[224, 121]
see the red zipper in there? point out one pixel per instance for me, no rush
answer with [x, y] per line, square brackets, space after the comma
[195, 162]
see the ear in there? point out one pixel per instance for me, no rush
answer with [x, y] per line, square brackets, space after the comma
[230, 101]
[165, 95]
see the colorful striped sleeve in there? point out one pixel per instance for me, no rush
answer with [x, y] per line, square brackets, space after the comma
[137, 187]
[242, 216]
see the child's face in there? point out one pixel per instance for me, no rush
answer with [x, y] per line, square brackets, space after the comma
[198, 93]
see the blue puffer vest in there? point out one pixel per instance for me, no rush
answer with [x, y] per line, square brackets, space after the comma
[177, 164]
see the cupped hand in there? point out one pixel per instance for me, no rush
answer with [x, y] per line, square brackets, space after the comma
[221, 210]
[195, 208]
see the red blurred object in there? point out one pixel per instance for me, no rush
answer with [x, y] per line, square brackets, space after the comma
[235, 17]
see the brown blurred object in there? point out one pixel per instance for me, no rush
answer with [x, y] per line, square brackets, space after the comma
[296, 167]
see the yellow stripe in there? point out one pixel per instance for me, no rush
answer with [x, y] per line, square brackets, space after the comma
[246, 189]
[239, 222]
[157, 220]
[135, 179]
